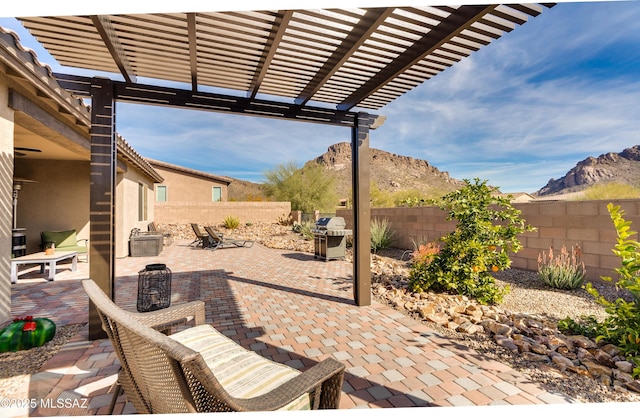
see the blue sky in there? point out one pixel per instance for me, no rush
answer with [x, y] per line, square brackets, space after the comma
[527, 108]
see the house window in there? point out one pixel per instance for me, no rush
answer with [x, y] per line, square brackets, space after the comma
[216, 194]
[142, 202]
[161, 193]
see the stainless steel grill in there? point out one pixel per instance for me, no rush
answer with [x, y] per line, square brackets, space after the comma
[330, 238]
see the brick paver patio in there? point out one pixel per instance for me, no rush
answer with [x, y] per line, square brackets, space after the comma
[288, 307]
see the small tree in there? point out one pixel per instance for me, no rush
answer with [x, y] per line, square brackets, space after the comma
[487, 231]
[307, 188]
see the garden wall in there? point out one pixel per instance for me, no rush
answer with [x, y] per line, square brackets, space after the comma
[558, 223]
[211, 213]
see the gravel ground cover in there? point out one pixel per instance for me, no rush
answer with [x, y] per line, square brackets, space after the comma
[15, 367]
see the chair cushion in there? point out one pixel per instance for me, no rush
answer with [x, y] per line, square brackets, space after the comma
[60, 238]
[243, 373]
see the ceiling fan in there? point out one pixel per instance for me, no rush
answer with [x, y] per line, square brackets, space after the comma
[21, 151]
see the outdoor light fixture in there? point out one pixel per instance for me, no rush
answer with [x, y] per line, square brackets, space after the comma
[154, 288]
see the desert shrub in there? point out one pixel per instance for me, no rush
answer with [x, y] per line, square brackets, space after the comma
[285, 220]
[424, 253]
[586, 325]
[487, 231]
[381, 234]
[304, 229]
[409, 198]
[622, 325]
[231, 222]
[307, 188]
[611, 191]
[380, 198]
[561, 271]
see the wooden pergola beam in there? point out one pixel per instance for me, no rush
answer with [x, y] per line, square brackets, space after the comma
[459, 20]
[371, 20]
[269, 51]
[112, 42]
[193, 50]
[212, 102]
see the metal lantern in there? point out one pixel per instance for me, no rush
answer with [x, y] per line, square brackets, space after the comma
[154, 288]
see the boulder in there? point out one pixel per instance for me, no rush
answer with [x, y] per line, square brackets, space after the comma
[438, 319]
[562, 362]
[624, 366]
[604, 358]
[582, 341]
[469, 328]
[634, 386]
[535, 357]
[621, 376]
[600, 373]
[506, 342]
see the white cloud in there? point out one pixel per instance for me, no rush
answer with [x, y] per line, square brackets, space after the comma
[525, 109]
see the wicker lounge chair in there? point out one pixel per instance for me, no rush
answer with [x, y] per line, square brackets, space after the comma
[201, 237]
[189, 371]
[217, 240]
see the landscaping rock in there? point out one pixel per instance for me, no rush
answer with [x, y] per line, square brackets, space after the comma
[535, 357]
[562, 362]
[506, 342]
[624, 366]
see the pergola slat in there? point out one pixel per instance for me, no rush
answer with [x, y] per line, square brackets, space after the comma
[300, 55]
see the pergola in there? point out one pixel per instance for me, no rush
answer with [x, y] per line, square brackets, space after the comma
[319, 66]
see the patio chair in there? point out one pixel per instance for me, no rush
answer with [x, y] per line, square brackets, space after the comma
[166, 236]
[201, 237]
[162, 320]
[217, 240]
[200, 370]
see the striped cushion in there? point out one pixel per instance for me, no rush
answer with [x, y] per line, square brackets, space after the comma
[243, 373]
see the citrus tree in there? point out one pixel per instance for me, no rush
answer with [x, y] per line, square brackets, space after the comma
[487, 229]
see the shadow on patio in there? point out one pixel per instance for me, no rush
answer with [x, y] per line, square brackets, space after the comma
[286, 306]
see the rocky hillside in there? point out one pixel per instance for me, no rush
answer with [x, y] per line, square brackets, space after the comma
[245, 191]
[390, 172]
[621, 167]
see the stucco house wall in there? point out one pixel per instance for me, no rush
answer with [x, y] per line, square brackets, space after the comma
[127, 217]
[57, 200]
[187, 185]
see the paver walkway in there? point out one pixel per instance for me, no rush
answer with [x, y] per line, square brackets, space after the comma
[288, 307]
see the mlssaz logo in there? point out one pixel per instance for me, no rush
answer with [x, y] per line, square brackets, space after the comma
[66, 403]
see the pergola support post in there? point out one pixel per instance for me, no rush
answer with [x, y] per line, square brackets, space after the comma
[361, 210]
[102, 195]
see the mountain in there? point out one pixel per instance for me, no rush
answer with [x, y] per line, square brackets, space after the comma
[390, 172]
[245, 191]
[621, 167]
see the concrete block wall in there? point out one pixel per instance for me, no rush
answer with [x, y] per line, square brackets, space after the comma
[215, 212]
[558, 223]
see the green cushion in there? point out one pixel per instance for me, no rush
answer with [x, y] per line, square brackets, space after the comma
[243, 373]
[63, 240]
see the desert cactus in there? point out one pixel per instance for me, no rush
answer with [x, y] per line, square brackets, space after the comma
[25, 333]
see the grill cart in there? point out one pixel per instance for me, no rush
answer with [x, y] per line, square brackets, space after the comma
[330, 238]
